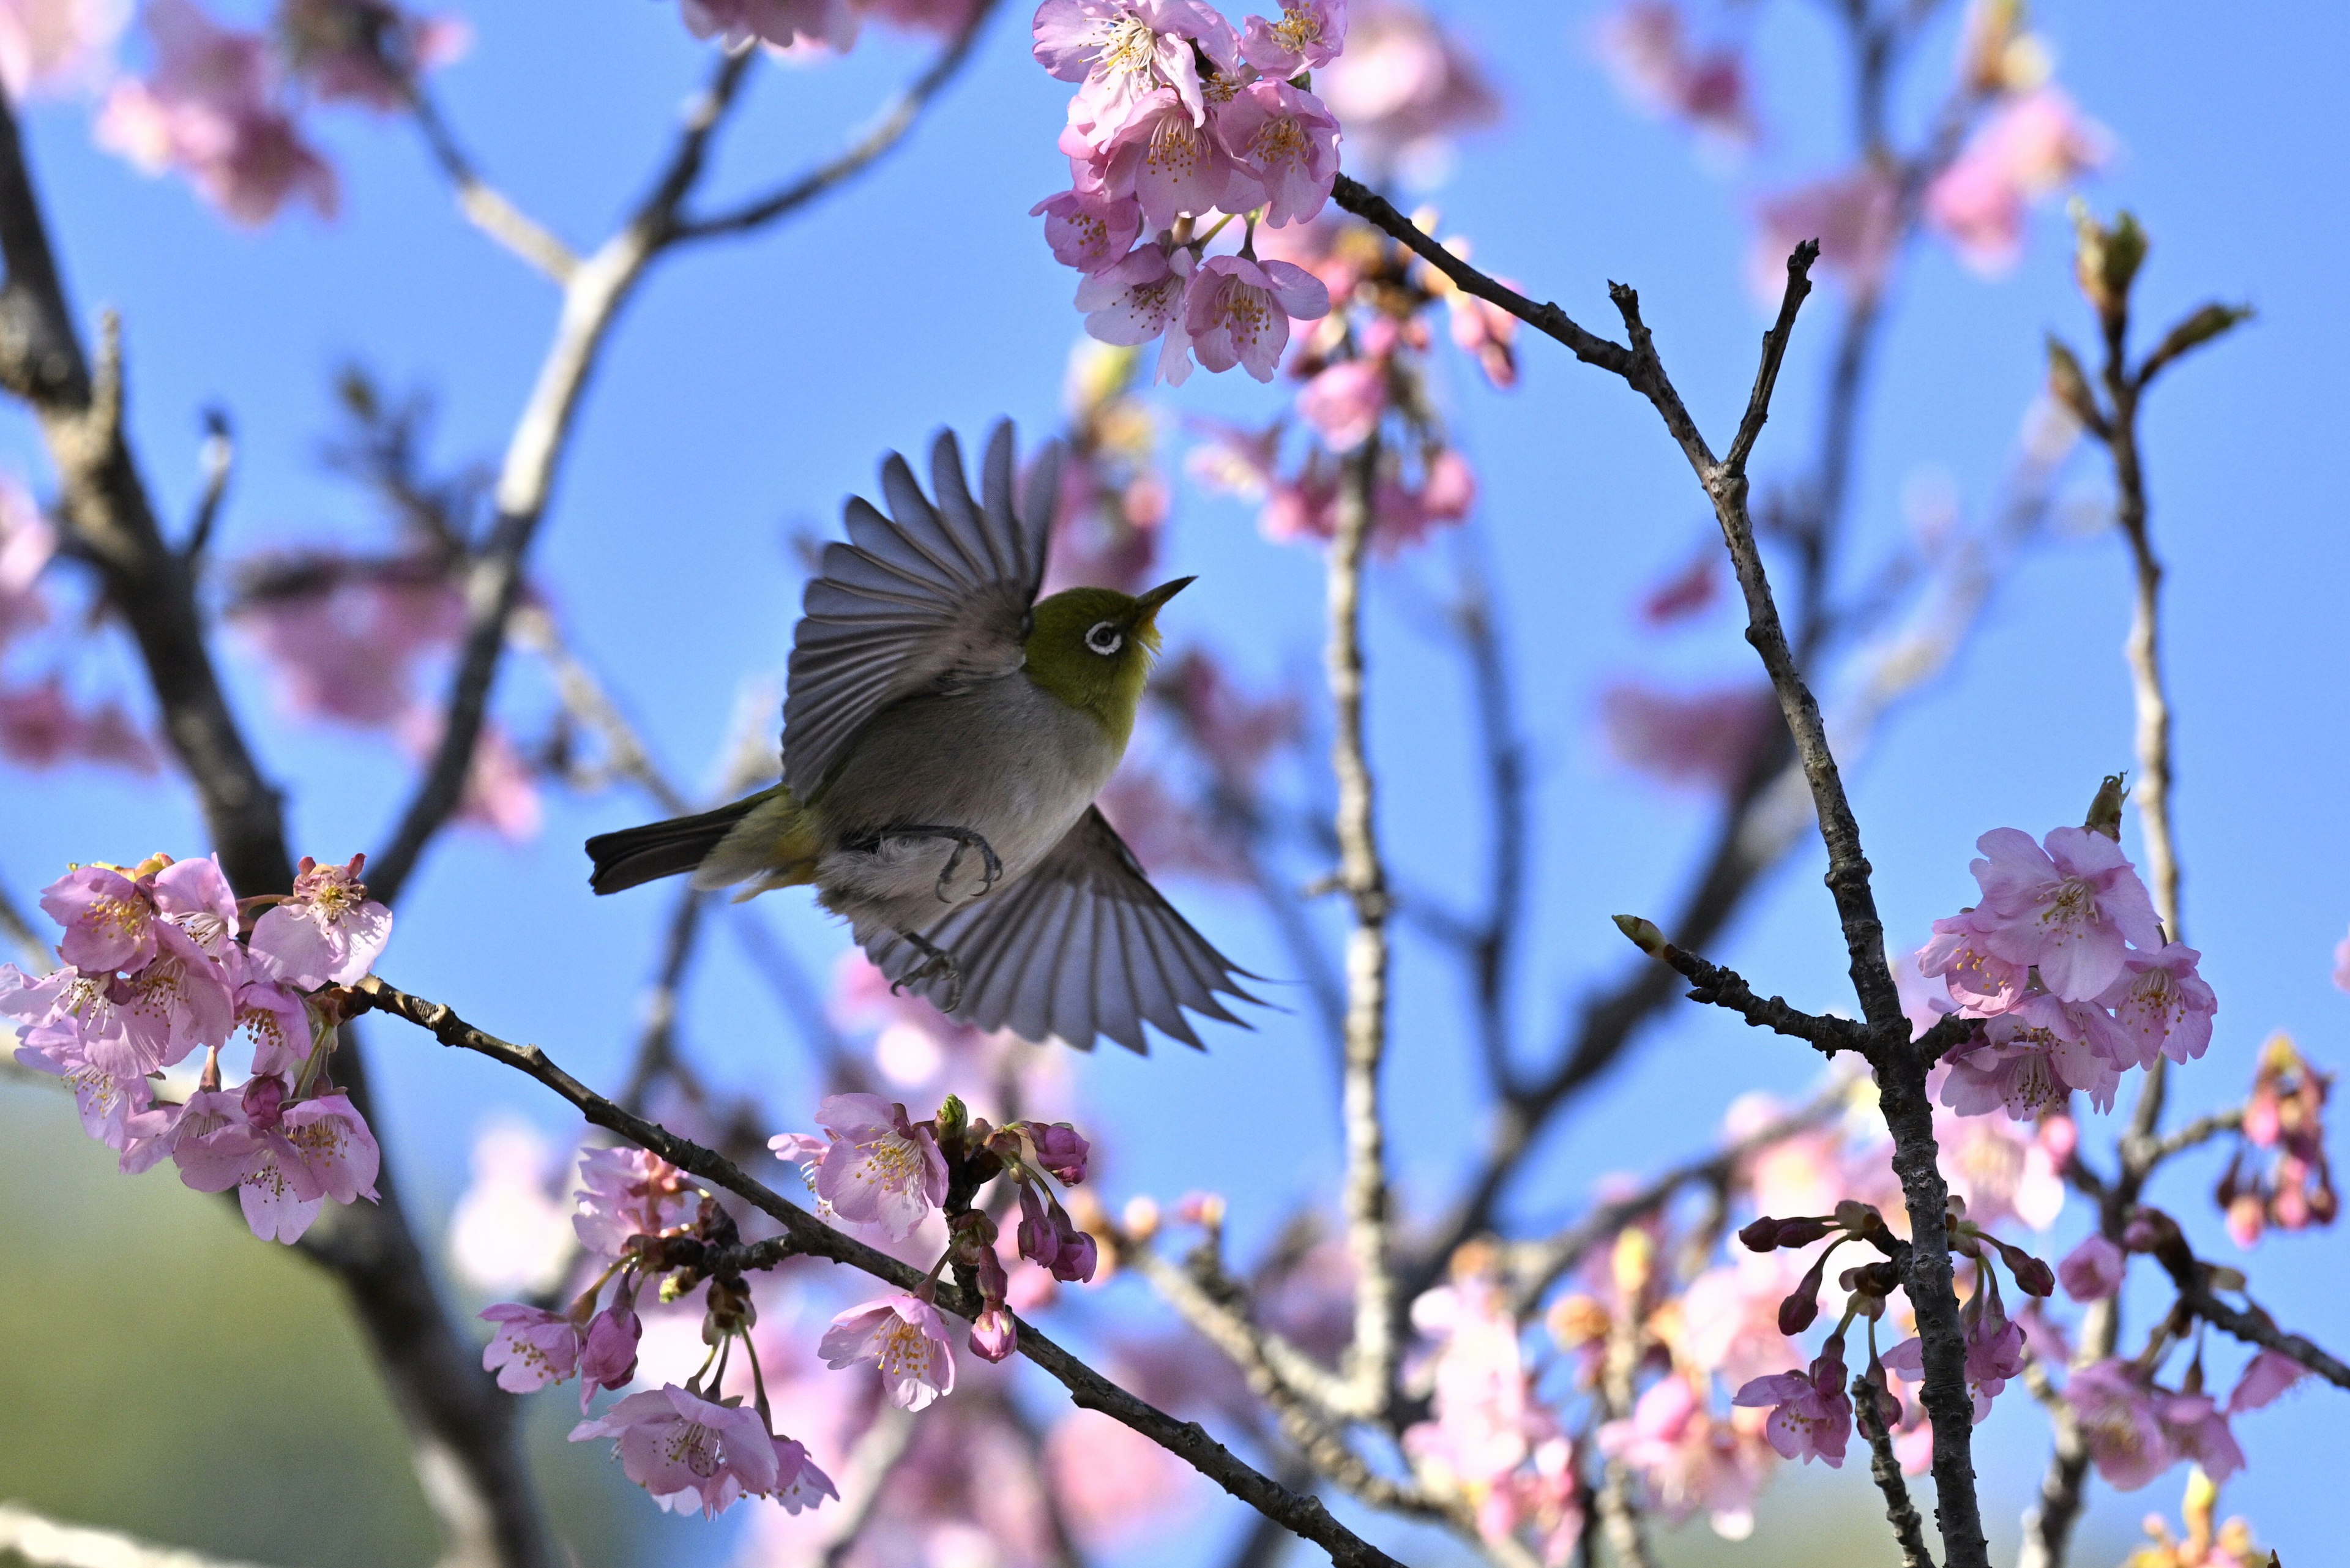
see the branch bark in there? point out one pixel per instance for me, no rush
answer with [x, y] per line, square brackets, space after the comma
[805, 1234]
[1908, 1530]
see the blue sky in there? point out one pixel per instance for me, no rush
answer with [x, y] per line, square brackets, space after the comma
[751, 386]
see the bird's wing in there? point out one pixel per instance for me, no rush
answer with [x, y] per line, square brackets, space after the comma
[1081, 946]
[927, 595]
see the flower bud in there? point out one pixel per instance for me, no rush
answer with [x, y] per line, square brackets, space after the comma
[954, 1117]
[2106, 811]
[993, 1336]
[1643, 934]
[1802, 1303]
[1141, 1218]
[1762, 1235]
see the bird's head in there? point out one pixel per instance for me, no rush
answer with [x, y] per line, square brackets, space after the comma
[1091, 648]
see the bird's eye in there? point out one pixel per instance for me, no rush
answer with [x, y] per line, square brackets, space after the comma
[1103, 637]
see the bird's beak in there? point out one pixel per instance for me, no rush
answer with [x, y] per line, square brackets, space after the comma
[1146, 606]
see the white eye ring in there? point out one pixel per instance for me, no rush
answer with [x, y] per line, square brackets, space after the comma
[1104, 638]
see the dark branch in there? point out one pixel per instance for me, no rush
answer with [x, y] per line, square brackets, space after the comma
[1908, 1530]
[806, 1235]
[1718, 987]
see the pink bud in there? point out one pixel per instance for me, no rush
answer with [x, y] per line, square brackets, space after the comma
[264, 1096]
[993, 1336]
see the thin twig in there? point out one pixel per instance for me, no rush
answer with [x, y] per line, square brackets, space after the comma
[44, 1542]
[218, 457]
[887, 131]
[805, 1234]
[585, 697]
[1362, 876]
[486, 207]
[1726, 988]
[1908, 1530]
[2255, 1327]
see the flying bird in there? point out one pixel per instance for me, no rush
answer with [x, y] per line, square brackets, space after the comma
[945, 734]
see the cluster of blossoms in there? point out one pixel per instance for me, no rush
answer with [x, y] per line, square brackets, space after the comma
[2030, 142]
[1365, 376]
[1647, 48]
[2068, 965]
[1181, 124]
[41, 725]
[691, 1445]
[162, 960]
[225, 107]
[2280, 1175]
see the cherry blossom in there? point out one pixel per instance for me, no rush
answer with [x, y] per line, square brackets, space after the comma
[1285, 144]
[1114, 1482]
[1403, 88]
[1486, 1422]
[2162, 1005]
[1978, 981]
[1701, 739]
[1091, 229]
[110, 919]
[1729, 1319]
[2265, 1377]
[1647, 48]
[1855, 216]
[1343, 402]
[1125, 50]
[689, 1452]
[903, 1337]
[2115, 1406]
[738, 24]
[2030, 147]
[625, 1193]
[328, 931]
[1811, 1413]
[1994, 1354]
[2092, 1270]
[2072, 909]
[532, 1348]
[212, 109]
[878, 1167]
[1141, 297]
[1307, 38]
[1167, 160]
[607, 1349]
[2028, 1061]
[369, 52]
[47, 45]
[1688, 1458]
[343, 637]
[508, 1231]
[1237, 311]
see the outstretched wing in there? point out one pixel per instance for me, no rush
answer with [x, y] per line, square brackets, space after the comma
[926, 596]
[1081, 946]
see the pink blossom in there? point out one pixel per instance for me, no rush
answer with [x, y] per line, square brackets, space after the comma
[2198, 1428]
[608, 1351]
[109, 920]
[1049, 1236]
[328, 931]
[532, 1348]
[1343, 402]
[28, 542]
[1689, 1460]
[1487, 334]
[508, 1231]
[1125, 50]
[1114, 1482]
[1811, 1413]
[212, 109]
[625, 1193]
[1167, 159]
[2030, 147]
[2163, 1007]
[2071, 909]
[500, 793]
[1730, 1318]
[737, 24]
[1703, 739]
[2342, 963]
[1978, 981]
[1994, 1354]
[343, 637]
[1309, 36]
[2092, 1270]
[177, 1001]
[994, 1335]
[284, 1159]
[945, 19]
[1647, 48]
[687, 1451]
[195, 895]
[904, 1338]
[1856, 218]
[369, 52]
[2029, 1060]
[1238, 311]
[799, 1484]
[1091, 230]
[2265, 1376]
[45, 44]
[1403, 88]
[1485, 1420]
[1141, 297]
[1237, 733]
[2004, 1169]
[880, 1168]
[41, 728]
[2116, 1409]
[109, 1105]
[1286, 144]
[278, 1023]
[1235, 460]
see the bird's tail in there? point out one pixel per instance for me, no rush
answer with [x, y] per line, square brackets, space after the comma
[766, 835]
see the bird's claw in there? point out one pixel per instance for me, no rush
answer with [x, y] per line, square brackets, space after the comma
[937, 964]
[992, 868]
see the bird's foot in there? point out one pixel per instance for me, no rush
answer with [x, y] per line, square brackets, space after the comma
[962, 838]
[937, 964]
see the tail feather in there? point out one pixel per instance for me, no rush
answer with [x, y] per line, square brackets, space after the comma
[638, 855]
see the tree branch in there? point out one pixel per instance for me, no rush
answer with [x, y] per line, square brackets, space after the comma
[805, 1234]
[1908, 1530]
[1725, 988]
[44, 1542]
[486, 207]
[1362, 876]
[887, 131]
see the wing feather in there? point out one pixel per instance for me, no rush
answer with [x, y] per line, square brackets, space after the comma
[923, 595]
[1080, 948]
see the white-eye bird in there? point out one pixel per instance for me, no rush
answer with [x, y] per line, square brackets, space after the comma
[945, 734]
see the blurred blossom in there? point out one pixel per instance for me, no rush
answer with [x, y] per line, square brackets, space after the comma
[1240, 461]
[2003, 1170]
[1343, 402]
[1689, 1459]
[367, 52]
[50, 45]
[1730, 1317]
[41, 728]
[2092, 1270]
[1403, 88]
[1704, 740]
[1113, 499]
[2280, 1174]
[1170, 836]
[1403, 513]
[1236, 732]
[943, 18]
[1855, 216]
[343, 636]
[28, 545]
[778, 23]
[2342, 963]
[1688, 592]
[214, 109]
[2228, 1545]
[509, 1234]
[1647, 48]
[2030, 148]
[1114, 1485]
[500, 792]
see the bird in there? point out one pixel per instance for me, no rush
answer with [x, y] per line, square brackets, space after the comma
[946, 733]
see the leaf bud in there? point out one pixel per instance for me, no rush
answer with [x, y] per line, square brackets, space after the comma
[1643, 934]
[2069, 384]
[2106, 811]
[954, 1117]
[2198, 330]
[2107, 259]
